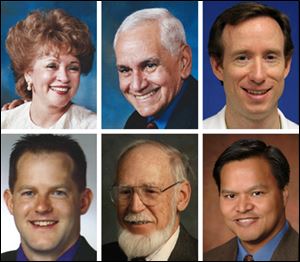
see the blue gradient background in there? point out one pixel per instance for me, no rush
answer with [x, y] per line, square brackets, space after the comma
[213, 92]
[115, 108]
[14, 11]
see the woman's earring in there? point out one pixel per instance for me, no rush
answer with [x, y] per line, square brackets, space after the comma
[29, 86]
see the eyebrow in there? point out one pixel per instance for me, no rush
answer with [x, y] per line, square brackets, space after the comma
[255, 187]
[51, 188]
[143, 63]
[246, 51]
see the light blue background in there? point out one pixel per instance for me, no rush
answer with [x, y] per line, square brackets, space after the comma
[213, 92]
[14, 11]
[115, 108]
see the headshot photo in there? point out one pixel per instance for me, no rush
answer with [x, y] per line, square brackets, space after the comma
[49, 197]
[250, 65]
[48, 65]
[251, 197]
[149, 197]
[149, 64]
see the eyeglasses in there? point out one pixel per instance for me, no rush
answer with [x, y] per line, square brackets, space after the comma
[149, 195]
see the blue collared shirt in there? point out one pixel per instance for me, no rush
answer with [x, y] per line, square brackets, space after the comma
[67, 256]
[164, 117]
[265, 253]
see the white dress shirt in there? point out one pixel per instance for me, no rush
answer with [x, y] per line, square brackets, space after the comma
[164, 252]
[217, 121]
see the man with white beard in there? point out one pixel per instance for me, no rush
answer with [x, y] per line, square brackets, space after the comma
[150, 191]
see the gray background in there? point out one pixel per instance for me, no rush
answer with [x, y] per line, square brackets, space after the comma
[10, 239]
[112, 145]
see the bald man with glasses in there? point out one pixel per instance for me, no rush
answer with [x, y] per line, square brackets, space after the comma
[151, 188]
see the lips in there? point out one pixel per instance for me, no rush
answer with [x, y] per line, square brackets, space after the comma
[43, 223]
[245, 222]
[147, 94]
[256, 92]
[60, 89]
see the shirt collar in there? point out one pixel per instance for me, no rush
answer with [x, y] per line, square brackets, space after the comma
[67, 256]
[162, 120]
[164, 252]
[266, 252]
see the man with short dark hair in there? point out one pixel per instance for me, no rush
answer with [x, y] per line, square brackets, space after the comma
[252, 180]
[47, 195]
[250, 49]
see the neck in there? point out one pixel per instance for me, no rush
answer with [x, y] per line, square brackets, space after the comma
[236, 119]
[46, 116]
[47, 255]
[254, 246]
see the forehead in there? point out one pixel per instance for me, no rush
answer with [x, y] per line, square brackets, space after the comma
[145, 164]
[44, 166]
[142, 39]
[265, 32]
[242, 174]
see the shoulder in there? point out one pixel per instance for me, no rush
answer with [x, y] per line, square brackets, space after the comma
[225, 252]
[15, 118]
[185, 114]
[186, 248]
[112, 252]
[216, 121]
[286, 123]
[9, 256]
[288, 247]
[80, 117]
[135, 121]
[85, 252]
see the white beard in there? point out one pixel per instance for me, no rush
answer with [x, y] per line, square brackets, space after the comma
[135, 245]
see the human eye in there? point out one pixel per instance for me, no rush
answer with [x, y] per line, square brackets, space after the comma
[123, 70]
[75, 68]
[150, 67]
[124, 191]
[242, 58]
[59, 193]
[271, 58]
[229, 195]
[52, 66]
[151, 190]
[257, 193]
[27, 193]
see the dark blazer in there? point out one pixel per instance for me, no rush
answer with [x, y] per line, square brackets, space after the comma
[287, 249]
[184, 116]
[84, 253]
[186, 249]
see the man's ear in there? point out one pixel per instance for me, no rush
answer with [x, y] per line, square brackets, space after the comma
[185, 62]
[285, 195]
[287, 66]
[8, 198]
[85, 200]
[184, 196]
[217, 68]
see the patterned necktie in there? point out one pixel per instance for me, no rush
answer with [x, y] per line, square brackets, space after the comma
[248, 257]
[151, 125]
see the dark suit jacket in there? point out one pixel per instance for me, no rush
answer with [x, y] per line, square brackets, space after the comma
[186, 249]
[287, 249]
[84, 253]
[184, 116]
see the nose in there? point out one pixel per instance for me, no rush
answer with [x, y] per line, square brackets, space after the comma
[136, 204]
[244, 204]
[257, 73]
[62, 75]
[43, 205]
[138, 81]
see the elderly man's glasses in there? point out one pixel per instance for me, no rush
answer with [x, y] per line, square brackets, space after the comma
[149, 195]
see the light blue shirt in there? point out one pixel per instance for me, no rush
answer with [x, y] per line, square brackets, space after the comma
[266, 252]
[164, 117]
